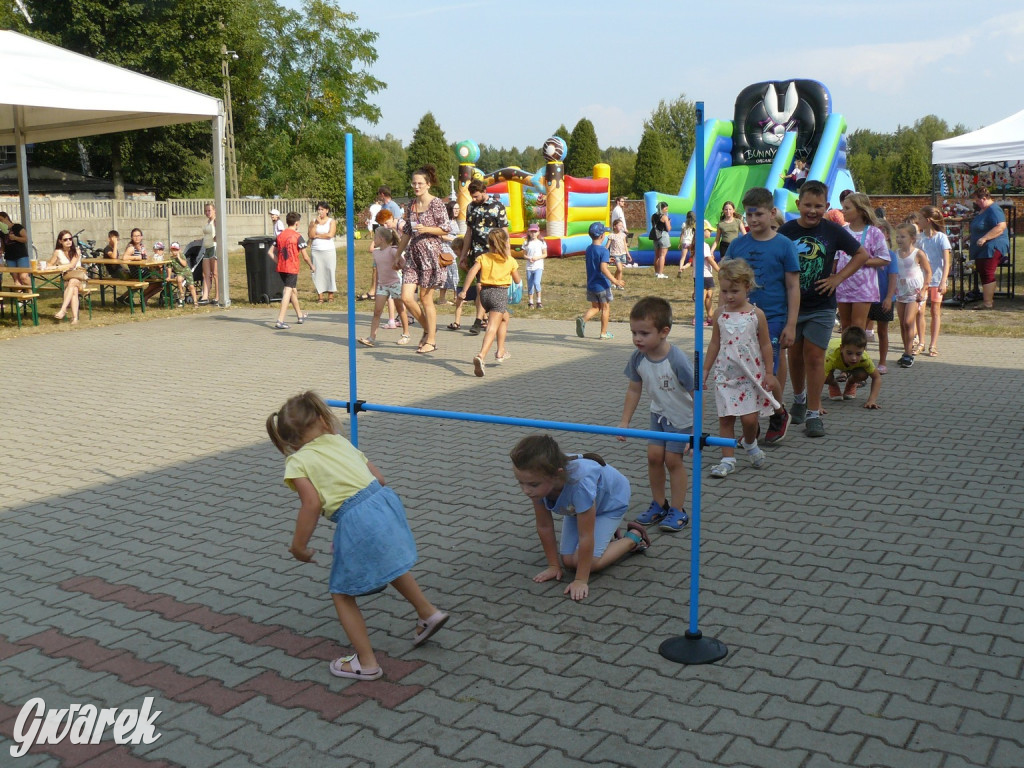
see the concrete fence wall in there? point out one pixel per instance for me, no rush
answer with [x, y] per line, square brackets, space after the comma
[169, 220]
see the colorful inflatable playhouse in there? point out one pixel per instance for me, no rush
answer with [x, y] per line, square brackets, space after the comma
[775, 123]
[563, 206]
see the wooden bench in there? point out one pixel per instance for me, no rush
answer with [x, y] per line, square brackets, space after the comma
[129, 285]
[19, 296]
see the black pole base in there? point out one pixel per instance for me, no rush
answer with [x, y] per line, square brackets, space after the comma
[693, 648]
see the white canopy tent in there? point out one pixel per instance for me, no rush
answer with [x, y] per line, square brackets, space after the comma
[50, 93]
[999, 142]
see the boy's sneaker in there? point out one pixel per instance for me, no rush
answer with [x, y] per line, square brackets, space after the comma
[282, 326]
[834, 392]
[581, 326]
[674, 521]
[850, 392]
[778, 425]
[757, 458]
[654, 514]
[906, 361]
[606, 336]
[798, 413]
[815, 427]
[723, 468]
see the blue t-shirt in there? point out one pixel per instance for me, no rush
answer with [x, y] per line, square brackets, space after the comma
[596, 281]
[589, 484]
[816, 248]
[770, 260]
[981, 224]
[892, 267]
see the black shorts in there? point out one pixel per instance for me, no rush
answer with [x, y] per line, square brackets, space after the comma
[494, 298]
[288, 279]
[879, 315]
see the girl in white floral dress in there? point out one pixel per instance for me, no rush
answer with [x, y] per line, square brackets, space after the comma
[737, 355]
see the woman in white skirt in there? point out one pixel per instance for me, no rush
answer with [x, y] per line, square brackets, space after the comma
[325, 256]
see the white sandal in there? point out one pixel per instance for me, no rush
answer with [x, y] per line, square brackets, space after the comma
[425, 628]
[356, 672]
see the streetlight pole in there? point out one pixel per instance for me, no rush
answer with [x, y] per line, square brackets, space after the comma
[225, 71]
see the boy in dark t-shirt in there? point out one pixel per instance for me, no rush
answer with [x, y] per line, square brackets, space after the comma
[817, 241]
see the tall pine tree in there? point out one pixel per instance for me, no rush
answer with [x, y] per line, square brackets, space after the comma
[430, 146]
[584, 152]
[649, 174]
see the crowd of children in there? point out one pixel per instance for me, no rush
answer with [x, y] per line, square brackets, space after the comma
[781, 287]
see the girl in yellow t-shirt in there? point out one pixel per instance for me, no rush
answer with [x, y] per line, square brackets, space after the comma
[373, 546]
[497, 270]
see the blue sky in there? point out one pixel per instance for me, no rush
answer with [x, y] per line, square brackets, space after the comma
[507, 73]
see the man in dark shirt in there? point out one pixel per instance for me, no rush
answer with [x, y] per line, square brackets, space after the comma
[482, 215]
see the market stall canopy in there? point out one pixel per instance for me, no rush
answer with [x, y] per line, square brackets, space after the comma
[58, 94]
[999, 142]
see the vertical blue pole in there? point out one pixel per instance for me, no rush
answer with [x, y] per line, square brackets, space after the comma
[698, 391]
[350, 250]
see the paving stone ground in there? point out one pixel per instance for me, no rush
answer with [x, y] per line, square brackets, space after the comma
[867, 585]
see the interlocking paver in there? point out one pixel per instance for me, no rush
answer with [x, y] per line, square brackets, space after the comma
[872, 618]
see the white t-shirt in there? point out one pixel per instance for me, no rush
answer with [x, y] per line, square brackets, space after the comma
[617, 213]
[669, 383]
[372, 218]
[536, 249]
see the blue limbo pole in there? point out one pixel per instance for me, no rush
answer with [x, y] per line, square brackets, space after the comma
[350, 249]
[693, 647]
[515, 421]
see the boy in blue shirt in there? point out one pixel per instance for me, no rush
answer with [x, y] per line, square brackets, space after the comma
[668, 376]
[599, 282]
[777, 270]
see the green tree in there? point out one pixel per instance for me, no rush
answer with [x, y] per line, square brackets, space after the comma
[584, 152]
[429, 145]
[911, 171]
[649, 174]
[182, 44]
[675, 122]
[561, 131]
[623, 164]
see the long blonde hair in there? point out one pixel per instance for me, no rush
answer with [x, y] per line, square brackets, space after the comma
[296, 417]
[862, 203]
[497, 243]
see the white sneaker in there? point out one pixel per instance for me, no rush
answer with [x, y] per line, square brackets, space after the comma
[757, 457]
[661, 276]
[723, 469]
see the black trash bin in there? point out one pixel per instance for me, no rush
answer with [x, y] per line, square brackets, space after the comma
[261, 274]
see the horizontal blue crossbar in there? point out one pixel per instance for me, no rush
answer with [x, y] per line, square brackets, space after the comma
[514, 421]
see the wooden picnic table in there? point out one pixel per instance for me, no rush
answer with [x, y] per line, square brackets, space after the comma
[150, 270]
[49, 277]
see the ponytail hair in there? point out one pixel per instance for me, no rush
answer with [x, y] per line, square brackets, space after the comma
[296, 417]
[539, 453]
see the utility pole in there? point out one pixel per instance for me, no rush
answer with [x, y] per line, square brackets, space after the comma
[226, 57]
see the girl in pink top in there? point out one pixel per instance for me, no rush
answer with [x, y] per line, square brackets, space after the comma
[859, 291]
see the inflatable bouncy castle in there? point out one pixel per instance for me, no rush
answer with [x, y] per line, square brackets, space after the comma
[564, 206]
[774, 124]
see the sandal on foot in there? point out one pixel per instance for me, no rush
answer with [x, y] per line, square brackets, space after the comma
[302, 319]
[368, 342]
[354, 672]
[454, 326]
[403, 339]
[425, 628]
[638, 531]
[426, 348]
[933, 352]
[478, 366]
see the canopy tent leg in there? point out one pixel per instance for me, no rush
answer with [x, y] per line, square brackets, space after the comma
[220, 200]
